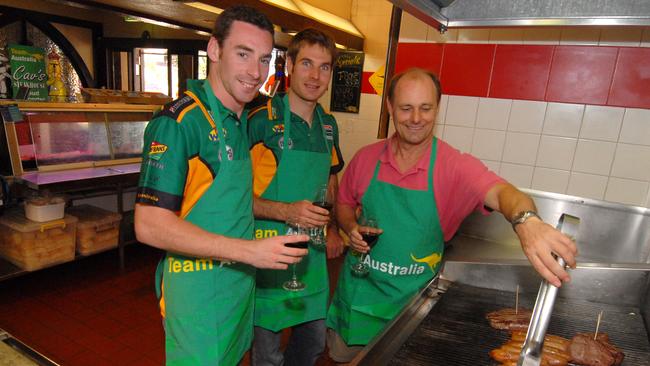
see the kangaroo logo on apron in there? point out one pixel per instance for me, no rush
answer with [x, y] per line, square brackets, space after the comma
[431, 260]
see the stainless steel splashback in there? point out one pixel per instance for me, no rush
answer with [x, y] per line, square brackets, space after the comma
[613, 262]
[609, 233]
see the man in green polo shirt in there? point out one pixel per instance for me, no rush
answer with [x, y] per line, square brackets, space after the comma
[294, 148]
[194, 200]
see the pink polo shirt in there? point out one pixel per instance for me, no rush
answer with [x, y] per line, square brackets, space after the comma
[460, 181]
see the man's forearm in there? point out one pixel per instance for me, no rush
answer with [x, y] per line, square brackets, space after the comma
[333, 190]
[346, 218]
[270, 210]
[508, 200]
[162, 229]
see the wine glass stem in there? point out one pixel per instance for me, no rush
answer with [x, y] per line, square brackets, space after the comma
[362, 257]
[293, 273]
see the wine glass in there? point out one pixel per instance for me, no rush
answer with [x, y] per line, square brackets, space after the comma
[322, 200]
[294, 284]
[360, 268]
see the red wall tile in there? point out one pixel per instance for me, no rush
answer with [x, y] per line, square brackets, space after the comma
[521, 72]
[466, 69]
[424, 55]
[365, 83]
[631, 84]
[581, 74]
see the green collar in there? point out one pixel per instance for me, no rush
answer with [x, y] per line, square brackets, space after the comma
[196, 88]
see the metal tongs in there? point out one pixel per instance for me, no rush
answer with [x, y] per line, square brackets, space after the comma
[531, 353]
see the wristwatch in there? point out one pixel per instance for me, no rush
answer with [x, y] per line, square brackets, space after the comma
[521, 217]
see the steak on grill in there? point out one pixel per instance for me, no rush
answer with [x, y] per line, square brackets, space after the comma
[599, 352]
[509, 319]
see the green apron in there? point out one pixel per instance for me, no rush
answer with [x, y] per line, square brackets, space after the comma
[209, 303]
[404, 259]
[298, 176]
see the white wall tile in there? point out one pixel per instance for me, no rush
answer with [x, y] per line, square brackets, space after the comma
[459, 137]
[461, 111]
[556, 152]
[636, 127]
[442, 109]
[542, 35]
[507, 35]
[580, 36]
[493, 113]
[594, 157]
[632, 162]
[518, 175]
[620, 36]
[467, 35]
[563, 119]
[602, 123]
[521, 148]
[492, 165]
[488, 144]
[550, 180]
[527, 116]
[412, 29]
[438, 130]
[434, 36]
[626, 191]
[587, 185]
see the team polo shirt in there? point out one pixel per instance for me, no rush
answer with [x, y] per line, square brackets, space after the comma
[266, 136]
[460, 181]
[181, 155]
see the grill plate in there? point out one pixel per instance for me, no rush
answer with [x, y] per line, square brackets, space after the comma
[456, 331]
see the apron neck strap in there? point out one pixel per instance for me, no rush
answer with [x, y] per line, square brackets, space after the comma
[432, 160]
[214, 114]
[286, 118]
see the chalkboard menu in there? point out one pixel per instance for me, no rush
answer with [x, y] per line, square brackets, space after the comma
[346, 82]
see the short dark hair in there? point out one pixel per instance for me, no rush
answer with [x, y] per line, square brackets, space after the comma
[242, 13]
[311, 36]
[414, 70]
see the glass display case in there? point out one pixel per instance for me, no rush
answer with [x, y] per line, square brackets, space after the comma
[62, 136]
[58, 140]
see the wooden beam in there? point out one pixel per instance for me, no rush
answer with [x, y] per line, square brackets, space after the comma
[292, 22]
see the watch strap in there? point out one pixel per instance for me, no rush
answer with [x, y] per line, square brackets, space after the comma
[521, 217]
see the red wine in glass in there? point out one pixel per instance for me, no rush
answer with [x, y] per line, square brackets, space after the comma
[370, 238]
[300, 244]
[325, 205]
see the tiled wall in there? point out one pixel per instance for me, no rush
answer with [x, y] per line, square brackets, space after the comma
[586, 150]
[582, 150]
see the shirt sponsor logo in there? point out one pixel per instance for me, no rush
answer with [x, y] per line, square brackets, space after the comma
[278, 128]
[214, 135]
[329, 132]
[229, 151]
[154, 164]
[281, 143]
[179, 103]
[156, 150]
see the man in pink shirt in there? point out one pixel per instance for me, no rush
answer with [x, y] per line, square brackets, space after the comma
[418, 190]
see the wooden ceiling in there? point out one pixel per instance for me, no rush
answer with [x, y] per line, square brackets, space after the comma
[176, 13]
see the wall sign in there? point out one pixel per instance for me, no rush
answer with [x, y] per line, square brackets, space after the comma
[346, 82]
[27, 65]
